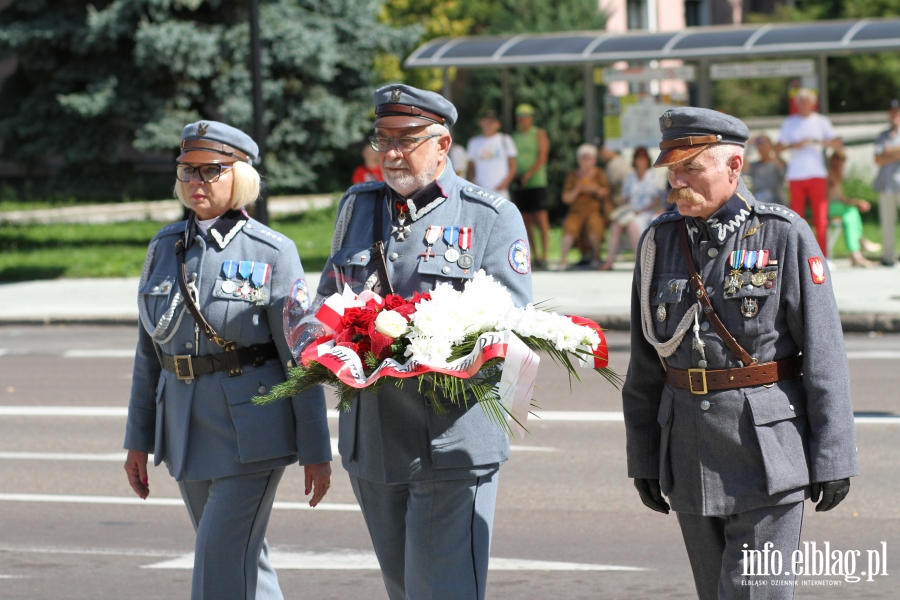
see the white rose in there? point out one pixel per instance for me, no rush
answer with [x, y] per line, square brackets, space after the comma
[391, 323]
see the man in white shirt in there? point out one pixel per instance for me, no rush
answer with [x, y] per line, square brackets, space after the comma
[806, 135]
[492, 156]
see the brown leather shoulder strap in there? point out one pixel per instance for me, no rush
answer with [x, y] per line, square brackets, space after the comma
[706, 303]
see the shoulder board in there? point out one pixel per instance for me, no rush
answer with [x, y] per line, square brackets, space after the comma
[667, 217]
[473, 192]
[368, 186]
[173, 229]
[776, 210]
[259, 231]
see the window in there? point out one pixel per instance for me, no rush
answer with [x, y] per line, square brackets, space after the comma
[637, 14]
[695, 13]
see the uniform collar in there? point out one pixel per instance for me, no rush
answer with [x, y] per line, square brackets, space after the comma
[727, 220]
[425, 200]
[222, 231]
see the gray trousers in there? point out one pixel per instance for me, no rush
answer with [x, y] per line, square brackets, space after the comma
[888, 205]
[231, 555]
[718, 548]
[432, 538]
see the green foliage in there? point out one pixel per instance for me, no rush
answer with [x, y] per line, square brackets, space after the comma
[95, 82]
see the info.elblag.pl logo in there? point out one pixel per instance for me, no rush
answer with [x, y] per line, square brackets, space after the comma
[812, 561]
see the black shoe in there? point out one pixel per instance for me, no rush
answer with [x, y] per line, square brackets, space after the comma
[887, 263]
[584, 262]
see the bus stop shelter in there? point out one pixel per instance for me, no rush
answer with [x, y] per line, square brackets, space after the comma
[702, 46]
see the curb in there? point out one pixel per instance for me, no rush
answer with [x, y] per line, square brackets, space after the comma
[850, 322]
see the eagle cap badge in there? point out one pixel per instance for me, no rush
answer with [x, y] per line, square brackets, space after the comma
[202, 128]
[667, 119]
[395, 95]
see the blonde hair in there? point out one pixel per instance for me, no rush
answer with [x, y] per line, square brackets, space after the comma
[807, 94]
[244, 186]
[586, 149]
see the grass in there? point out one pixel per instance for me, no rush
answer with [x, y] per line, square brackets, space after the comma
[31, 252]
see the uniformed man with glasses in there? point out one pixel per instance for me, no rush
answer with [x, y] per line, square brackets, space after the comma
[426, 483]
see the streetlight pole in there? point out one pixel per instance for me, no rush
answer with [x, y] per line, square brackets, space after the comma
[259, 130]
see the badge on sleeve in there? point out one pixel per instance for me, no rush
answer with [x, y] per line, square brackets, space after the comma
[518, 257]
[817, 269]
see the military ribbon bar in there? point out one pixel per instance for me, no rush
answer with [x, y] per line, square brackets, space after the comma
[750, 258]
[465, 238]
[229, 269]
[260, 274]
[763, 259]
[433, 233]
[737, 259]
[451, 234]
[245, 268]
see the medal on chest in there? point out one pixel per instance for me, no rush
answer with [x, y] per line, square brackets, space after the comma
[465, 261]
[245, 269]
[401, 230]
[432, 234]
[451, 236]
[733, 280]
[259, 278]
[229, 270]
[749, 307]
[760, 277]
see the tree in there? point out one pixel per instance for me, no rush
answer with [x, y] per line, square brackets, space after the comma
[97, 82]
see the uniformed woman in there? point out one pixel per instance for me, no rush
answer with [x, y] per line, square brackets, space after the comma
[211, 297]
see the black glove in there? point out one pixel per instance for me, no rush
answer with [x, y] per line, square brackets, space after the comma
[651, 496]
[832, 493]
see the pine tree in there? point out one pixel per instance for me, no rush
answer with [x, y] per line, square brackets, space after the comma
[97, 83]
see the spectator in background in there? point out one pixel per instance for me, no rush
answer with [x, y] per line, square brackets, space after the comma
[642, 194]
[370, 170]
[586, 192]
[848, 210]
[806, 135]
[767, 174]
[492, 156]
[887, 184]
[530, 191]
[459, 159]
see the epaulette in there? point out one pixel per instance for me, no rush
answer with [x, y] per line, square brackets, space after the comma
[173, 229]
[666, 217]
[259, 231]
[776, 210]
[366, 186]
[484, 196]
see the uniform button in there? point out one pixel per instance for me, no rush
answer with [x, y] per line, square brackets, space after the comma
[792, 407]
[188, 345]
[194, 276]
[713, 252]
[248, 226]
[748, 287]
[704, 405]
[445, 270]
[704, 326]
[188, 381]
[154, 289]
[261, 389]
[394, 256]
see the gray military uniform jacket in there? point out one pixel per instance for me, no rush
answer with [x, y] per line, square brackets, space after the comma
[395, 436]
[754, 446]
[208, 427]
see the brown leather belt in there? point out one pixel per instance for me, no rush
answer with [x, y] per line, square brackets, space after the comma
[186, 366]
[701, 381]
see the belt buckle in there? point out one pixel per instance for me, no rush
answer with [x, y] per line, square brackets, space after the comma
[691, 381]
[184, 359]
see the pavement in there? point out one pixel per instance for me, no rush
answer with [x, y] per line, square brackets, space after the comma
[868, 299]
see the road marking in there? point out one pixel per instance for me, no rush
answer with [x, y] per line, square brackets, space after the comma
[90, 551]
[99, 353]
[3, 351]
[12, 577]
[108, 457]
[575, 415]
[71, 499]
[873, 354]
[358, 561]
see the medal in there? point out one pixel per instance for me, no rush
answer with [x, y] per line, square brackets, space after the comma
[244, 291]
[749, 307]
[762, 259]
[759, 279]
[260, 274]
[228, 286]
[432, 234]
[750, 259]
[733, 281]
[451, 236]
[661, 313]
[771, 275]
[258, 296]
[401, 230]
[245, 268]
[229, 269]
[465, 261]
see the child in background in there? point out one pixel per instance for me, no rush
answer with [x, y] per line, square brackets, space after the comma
[370, 170]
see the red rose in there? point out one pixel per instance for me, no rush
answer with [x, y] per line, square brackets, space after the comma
[360, 317]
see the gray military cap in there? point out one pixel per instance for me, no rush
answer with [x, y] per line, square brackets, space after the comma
[214, 142]
[398, 105]
[687, 131]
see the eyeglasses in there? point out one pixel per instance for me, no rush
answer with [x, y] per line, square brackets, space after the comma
[403, 144]
[208, 173]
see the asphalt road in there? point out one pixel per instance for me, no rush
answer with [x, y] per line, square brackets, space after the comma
[67, 530]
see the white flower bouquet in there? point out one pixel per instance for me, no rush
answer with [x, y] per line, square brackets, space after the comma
[460, 345]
